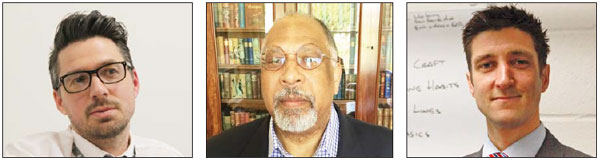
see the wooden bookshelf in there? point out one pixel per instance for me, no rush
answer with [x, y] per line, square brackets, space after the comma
[240, 30]
[236, 66]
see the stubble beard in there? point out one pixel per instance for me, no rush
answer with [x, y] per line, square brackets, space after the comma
[105, 128]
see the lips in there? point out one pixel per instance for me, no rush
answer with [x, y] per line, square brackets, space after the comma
[294, 101]
[505, 98]
[102, 111]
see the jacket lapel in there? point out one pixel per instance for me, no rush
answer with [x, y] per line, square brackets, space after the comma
[258, 143]
[551, 147]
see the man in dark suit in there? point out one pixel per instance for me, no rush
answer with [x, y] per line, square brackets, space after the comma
[506, 51]
[300, 74]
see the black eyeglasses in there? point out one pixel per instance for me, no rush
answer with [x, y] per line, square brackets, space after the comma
[308, 57]
[81, 80]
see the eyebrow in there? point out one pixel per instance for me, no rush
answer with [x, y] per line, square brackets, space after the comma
[516, 52]
[102, 64]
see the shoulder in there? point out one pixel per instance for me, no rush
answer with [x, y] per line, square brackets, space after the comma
[368, 131]
[233, 141]
[361, 139]
[146, 147]
[551, 147]
[47, 144]
[476, 154]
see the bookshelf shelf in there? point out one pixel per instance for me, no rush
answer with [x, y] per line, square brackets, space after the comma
[245, 103]
[236, 66]
[240, 30]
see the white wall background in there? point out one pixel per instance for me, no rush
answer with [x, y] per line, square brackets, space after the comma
[160, 40]
[567, 108]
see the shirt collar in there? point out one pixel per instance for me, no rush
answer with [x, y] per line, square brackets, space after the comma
[88, 149]
[327, 146]
[527, 146]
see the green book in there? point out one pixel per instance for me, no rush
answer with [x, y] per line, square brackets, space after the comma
[242, 85]
[242, 54]
[248, 85]
[256, 50]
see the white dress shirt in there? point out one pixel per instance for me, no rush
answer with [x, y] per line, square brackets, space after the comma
[61, 144]
[527, 146]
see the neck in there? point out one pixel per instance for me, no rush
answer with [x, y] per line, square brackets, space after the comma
[504, 136]
[302, 144]
[115, 145]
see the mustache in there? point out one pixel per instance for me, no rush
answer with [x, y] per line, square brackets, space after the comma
[292, 92]
[102, 102]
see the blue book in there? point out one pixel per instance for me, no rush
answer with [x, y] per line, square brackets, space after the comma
[388, 84]
[242, 12]
[250, 51]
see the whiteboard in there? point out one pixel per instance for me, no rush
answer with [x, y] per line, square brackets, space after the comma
[442, 116]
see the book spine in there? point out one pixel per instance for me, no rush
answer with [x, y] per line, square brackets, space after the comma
[219, 15]
[220, 50]
[246, 51]
[254, 86]
[232, 117]
[226, 87]
[232, 54]
[248, 85]
[388, 87]
[234, 15]
[216, 14]
[226, 17]
[250, 52]
[391, 118]
[238, 120]
[379, 116]
[221, 87]
[352, 49]
[259, 91]
[386, 117]
[241, 52]
[381, 84]
[353, 86]
[256, 50]
[242, 18]
[226, 50]
[242, 85]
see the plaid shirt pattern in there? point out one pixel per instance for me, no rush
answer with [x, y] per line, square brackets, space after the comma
[328, 145]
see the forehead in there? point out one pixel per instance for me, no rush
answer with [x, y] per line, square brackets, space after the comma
[88, 54]
[502, 42]
[289, 33]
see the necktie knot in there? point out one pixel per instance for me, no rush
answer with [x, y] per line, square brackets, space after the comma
[498, 155]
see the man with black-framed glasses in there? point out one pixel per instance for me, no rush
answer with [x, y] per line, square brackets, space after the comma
[95, 84]
[300, 74]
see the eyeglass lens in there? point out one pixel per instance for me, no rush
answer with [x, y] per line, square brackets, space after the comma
[108, 74]
[307, 57]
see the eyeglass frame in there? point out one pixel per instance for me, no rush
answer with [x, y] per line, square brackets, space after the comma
[339, 59]
[95, 71]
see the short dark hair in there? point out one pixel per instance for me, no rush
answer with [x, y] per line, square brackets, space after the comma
[79, 27]
[496, 18]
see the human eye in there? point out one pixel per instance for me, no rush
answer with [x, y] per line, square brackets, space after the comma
[110, 72]
[520, 63]
[485, 66]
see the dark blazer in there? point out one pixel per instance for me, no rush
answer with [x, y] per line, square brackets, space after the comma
[357, 139]
[551, 148]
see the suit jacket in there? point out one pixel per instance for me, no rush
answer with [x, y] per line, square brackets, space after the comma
[357, 139]
[551, 148]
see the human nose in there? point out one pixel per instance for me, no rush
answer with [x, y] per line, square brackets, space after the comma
[291, 76]
[97, 88]
[504, 77]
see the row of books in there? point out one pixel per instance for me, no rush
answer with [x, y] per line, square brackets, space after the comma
[240, 85]
[385, 85]
[347, 88]
[238, 50]
[386, 52]
[239, 116]
[239, 15]
[387, 16]
[384, 115]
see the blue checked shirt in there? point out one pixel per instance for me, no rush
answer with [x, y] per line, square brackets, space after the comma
[327, 147]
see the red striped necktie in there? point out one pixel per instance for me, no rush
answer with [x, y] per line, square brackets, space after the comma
[498, 155]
